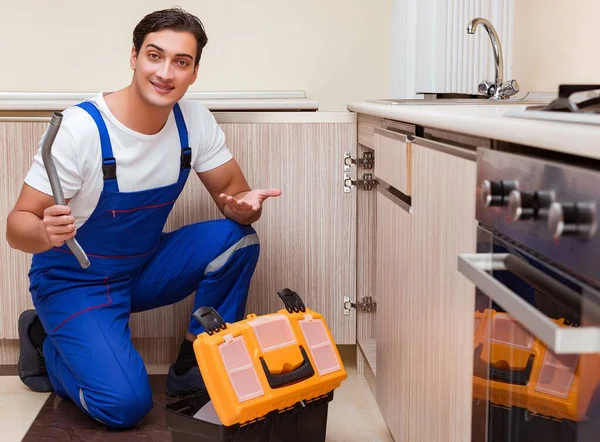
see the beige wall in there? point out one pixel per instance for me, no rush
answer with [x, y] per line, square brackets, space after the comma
[556, 42]
[336, 50]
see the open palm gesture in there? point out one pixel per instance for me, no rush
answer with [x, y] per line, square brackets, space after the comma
[250, 203]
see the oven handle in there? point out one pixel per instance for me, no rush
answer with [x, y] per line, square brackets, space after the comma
[562, 340]
[543, 283]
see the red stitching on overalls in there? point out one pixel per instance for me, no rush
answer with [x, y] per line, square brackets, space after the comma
[111, 257]
[155, 206]
[89, 308]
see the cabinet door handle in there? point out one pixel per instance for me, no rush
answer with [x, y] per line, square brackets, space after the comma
[562, 340]
[391, 134]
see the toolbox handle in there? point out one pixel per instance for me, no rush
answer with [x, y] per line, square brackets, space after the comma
[293, 302]
[514, 377]
[210, 320]
[304, 371]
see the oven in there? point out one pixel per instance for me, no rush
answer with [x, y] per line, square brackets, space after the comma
[536, 347]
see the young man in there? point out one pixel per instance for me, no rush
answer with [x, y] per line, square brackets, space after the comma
[123, 159]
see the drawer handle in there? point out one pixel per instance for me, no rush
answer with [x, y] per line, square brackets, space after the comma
[391, 134]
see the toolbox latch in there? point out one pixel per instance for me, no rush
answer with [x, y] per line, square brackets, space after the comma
[210, 320]
[293, 302]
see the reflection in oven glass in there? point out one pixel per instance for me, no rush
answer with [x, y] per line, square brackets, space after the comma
[522, 391]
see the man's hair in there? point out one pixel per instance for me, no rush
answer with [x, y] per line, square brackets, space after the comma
[175, 19]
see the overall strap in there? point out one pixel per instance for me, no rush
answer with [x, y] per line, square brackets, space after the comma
[186, 150]
[109, 165]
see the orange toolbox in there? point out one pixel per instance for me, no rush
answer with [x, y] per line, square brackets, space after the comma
[265, 363]
[515, 369]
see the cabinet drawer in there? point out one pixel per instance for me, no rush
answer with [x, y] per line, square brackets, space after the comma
[392, 159]
[461, 152]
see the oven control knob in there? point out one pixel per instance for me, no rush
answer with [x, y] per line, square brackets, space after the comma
[495, 193]
[523, 206]
[572, 219]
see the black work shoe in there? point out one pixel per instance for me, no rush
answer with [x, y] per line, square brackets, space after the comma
[32, 367]
[187, 384]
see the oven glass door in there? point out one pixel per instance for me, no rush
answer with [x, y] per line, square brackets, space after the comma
[536, 349]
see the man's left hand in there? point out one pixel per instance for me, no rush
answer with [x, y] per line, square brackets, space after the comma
[251, 203]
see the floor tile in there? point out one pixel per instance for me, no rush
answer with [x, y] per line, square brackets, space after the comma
[18, 408]
[353, 414]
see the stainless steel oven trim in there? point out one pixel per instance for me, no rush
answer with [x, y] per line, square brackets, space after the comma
[562, 340]
[569, 184]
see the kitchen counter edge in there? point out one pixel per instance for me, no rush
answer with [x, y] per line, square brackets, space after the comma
[570, 138]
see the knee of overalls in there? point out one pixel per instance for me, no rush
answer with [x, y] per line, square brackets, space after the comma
[233, 228]
[122, 407]
[223, 230]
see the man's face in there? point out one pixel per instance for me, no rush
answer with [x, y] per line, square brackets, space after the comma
[164, 67]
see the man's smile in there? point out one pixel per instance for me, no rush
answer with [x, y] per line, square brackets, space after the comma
[162, 88]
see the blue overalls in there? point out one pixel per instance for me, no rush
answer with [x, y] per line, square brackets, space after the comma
[134, 267]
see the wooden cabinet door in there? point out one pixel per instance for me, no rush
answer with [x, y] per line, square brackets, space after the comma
[18, 143]
[393, 289]
[307, 235]
[436, 328]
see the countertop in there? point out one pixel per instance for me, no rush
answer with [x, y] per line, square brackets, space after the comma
[215, 101]
[493, 122]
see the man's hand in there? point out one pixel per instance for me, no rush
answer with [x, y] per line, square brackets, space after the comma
[59, 224]
[247, 206]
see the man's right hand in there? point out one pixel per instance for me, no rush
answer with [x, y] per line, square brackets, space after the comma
[59, 224]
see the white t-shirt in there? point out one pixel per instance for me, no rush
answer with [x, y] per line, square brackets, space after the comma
[143, 161]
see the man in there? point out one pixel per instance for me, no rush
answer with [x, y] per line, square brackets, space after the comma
[123, 159]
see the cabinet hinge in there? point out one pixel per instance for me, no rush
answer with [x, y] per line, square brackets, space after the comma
[367, 305]
[366, 162]
[367, 182]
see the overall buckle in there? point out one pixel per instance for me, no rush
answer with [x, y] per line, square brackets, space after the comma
[186, 158]
[109, 168]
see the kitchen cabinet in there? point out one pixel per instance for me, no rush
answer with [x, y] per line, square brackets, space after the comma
[440, 307]
[307, 235]
[417, 353]
[395, 244]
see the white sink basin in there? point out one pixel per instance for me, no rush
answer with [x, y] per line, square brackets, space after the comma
[452, 101]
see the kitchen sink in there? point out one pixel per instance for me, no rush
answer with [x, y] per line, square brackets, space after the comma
[454, 99]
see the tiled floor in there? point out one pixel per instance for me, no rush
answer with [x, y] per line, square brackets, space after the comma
[353, 414]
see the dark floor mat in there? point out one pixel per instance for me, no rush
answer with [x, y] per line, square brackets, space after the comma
[61, 420]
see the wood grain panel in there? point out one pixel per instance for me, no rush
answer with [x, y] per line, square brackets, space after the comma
[18, 144]
[395, 369]
[152, 350]
[308, 235]
[435, 321]
[366, 219]
[366, 129]
[392, 159]
[9, 351]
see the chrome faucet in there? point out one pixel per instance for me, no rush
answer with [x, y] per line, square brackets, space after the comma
[498, 89]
